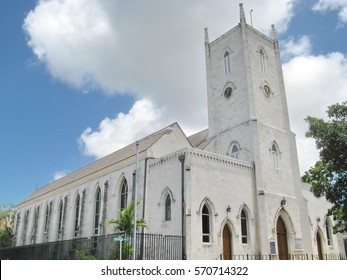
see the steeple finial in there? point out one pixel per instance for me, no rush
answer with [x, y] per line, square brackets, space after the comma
[274, 32]
[274, 35]
[242, 14]
[206, 36]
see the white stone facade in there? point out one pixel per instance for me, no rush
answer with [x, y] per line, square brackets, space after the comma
[233, 189]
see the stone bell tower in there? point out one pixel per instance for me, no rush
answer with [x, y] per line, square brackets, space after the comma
[248, 119]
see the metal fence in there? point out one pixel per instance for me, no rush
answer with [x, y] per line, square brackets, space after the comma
[289, 257]
[115, 246]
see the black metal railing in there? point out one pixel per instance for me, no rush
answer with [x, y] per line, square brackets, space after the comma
[289, 257]
[115, 246]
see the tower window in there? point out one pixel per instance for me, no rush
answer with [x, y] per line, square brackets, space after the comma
[275, 156]
[262, 60]
[244, 227]
[234, 150]
[168, 208]
[226, 62]
[206, 224]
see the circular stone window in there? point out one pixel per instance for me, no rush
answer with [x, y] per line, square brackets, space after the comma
[228, 92]
[266, 91]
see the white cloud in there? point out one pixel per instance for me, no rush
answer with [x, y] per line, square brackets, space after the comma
[333, 5]
[292, 48]
[151, 49]
[113, 134]
[154, 50]
[59, 174]
[312, 84]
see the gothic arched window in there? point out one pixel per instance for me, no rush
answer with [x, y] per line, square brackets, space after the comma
[77, 215]
[26, 220]
[97, 211]
[46, 229]
[168, 208]
[36, 222]
[124, 194]
[244, 227]
[275, 156]
[328, 231]
[234, 150]
[206, 224]
[226, 62]
[60, 218]
[262, 60]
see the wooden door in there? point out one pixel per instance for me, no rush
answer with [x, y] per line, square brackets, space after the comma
[226, 243]
[319, 246]
[282, 240]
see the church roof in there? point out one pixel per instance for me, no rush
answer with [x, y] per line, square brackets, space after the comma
[197, 138]
[103, 163]
[200, 140]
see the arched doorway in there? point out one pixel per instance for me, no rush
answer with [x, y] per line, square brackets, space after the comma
[226, 243]
[319, 245]
[282, 240]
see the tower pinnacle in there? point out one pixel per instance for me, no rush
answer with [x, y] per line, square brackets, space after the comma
[206, 35]
[242, 14]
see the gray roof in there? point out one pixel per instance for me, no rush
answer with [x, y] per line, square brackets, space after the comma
[107, 161]
[200, 140]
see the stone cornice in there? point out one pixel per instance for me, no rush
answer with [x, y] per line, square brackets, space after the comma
[227, 34]
[204, 156]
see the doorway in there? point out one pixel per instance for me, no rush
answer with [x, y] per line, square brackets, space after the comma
[282, 239]
[319, 246]
[226, 243]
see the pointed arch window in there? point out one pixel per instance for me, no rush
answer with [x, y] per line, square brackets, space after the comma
[26, 219]
[328, 231]
[36, 222]
[262, 60]
[97, 211]
[275, 156]
[124, 195]
[77, 215]
[60, 218]
[206, 224]
[226, 63]
[46, 228]
[168, 208]
[234, 150]
[244, 227]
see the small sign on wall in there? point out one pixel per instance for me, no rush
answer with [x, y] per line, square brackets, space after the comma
[298, 244]
[272, 247]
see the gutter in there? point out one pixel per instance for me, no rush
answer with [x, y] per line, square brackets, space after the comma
[183, 218]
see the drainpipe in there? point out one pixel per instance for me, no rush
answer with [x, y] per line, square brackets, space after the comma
[144, 203]
[183, 220]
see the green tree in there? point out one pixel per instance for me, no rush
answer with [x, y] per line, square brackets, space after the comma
[125, 223]
[7, 213]
[329, 175]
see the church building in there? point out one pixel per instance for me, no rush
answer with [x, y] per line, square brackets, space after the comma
[233, 189]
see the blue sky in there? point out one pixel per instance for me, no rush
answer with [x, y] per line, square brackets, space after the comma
[80, 79]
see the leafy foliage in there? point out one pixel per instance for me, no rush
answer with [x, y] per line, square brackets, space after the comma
[7, 213]
[85, 254]
[329, 175]
[125, 223]
[114, 253]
